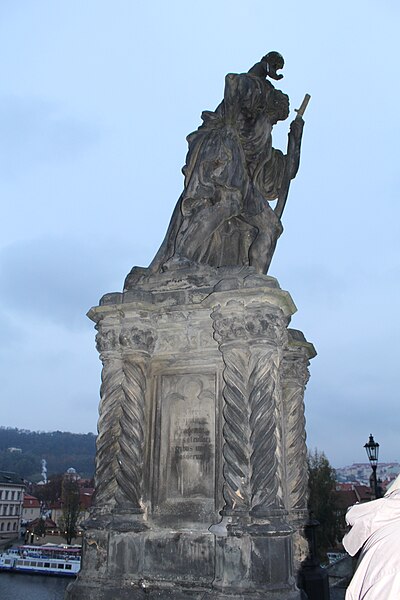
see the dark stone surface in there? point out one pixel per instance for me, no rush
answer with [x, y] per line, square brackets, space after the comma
[188, 432]
[232, 173]
[337, 593]
[201, 460]
[100, 590]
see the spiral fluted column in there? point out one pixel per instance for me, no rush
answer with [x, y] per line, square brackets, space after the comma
[294, 378]
[249, 339]
[125, 351]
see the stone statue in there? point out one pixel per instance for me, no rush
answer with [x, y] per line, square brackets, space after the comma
[232, 173]
[201, 461]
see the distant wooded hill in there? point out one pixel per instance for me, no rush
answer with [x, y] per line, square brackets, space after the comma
[22, 451]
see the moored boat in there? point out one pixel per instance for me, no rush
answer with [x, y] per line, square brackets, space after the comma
[49, 559]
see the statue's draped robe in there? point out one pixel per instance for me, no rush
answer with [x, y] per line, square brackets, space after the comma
[231, 173]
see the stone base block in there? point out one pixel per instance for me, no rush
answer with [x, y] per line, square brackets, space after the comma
[201, 415]
[182, 565]
[117, 590]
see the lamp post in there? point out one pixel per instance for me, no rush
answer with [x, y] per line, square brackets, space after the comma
[372, 449]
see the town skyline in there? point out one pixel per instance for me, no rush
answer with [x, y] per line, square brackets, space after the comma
[64, 438]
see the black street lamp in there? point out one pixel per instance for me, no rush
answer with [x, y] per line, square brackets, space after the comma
[372, 449]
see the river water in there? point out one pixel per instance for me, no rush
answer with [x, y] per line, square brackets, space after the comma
[17, 586]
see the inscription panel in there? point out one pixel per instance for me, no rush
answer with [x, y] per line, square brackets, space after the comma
[187, 445]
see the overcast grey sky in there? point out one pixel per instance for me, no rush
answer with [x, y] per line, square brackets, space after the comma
[96, 99]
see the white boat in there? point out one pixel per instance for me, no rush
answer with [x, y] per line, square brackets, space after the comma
[49, 559]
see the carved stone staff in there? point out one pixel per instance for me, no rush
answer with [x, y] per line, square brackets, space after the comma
[288, 173]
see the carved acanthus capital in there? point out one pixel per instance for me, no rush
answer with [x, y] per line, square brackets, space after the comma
[294, 368]
[229, 327]
[264, 325]
[107, 340]
[239, 322]
[140, 338]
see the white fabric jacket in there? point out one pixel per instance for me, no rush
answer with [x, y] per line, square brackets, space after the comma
[375, 527]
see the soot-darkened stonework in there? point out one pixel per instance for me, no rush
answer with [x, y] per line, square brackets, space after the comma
[201, 476]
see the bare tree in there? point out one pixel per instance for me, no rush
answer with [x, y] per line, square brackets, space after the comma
[322, 502]
[71, 507]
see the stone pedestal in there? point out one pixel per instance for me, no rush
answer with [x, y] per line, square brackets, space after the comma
[201, 458]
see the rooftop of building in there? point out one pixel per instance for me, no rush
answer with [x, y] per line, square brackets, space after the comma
[9, 478]
[31, 501]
